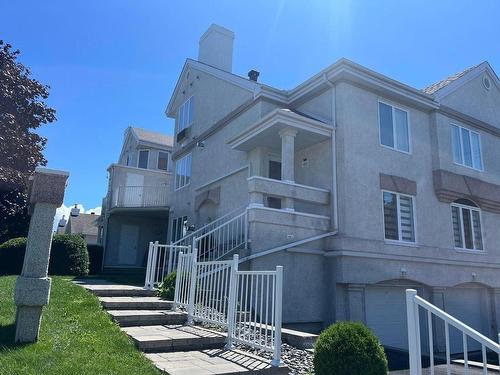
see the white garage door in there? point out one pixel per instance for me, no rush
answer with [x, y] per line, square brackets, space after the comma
[469, 306]
[386, 315]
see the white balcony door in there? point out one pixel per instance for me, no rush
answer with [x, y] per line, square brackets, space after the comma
[134, 189]
[127, 252]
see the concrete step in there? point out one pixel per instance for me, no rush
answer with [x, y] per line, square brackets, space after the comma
[298, 339]
[214, 361]
[132, 318]
[135, 303]
[103, 288]
[174, 338]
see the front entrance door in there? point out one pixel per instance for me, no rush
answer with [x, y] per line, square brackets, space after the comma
[275, 174]
[127, 252]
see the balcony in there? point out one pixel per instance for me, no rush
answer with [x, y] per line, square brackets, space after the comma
[141, 197]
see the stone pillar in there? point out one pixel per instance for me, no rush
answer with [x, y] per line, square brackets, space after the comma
[288, 162]
[356, 302]
[33, 286]
[438, 324]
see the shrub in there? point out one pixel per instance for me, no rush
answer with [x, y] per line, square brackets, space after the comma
[69, 255]
[167, 287]
[95, 258]
[349, 348]
[12, 256]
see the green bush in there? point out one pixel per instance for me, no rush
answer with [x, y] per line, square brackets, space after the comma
[12, 256]
[69, 255]
[349, 348]
[167, 287]
[95, 259]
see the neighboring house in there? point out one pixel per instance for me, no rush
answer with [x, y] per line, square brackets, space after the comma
[84, 224]
[359, 185]
[135, 209]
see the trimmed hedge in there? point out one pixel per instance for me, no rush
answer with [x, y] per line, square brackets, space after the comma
[349, 348]
[167, 287]
[95, 258]
[68, 256]
[12, 256]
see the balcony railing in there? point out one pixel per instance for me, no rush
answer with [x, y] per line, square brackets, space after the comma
[141, 196]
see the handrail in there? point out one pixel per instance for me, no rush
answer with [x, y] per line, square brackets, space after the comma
[287, 246]
[211, 224]
[413, 302]
[220, 226]
[458, 324]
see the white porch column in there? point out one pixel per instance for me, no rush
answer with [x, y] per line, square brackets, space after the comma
[287, 161]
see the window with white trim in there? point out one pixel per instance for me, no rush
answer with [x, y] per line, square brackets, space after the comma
[143, 159]
[399, 220]
[183, 171]
[393, 127]
[186, 114]
[162, 160]
[466, 218]
[466, 146]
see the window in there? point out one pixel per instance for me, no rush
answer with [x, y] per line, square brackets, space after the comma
[186, 114]
[178, 228]
[183, 172]
[466, 147]
[143, 159]
[128, 159]
[394, 129]
[163, 160]
[399, 212]
[466, 218]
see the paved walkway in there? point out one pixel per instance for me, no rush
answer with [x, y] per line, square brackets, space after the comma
[172, 347]
[441, 370]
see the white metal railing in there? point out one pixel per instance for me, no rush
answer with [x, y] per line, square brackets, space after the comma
[257, 321]
[413, 302]
[229, 236]
[246, 303]
[142, 196]
[188, 238]
[162, 260]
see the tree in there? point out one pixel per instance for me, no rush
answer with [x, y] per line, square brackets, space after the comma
[22, 110]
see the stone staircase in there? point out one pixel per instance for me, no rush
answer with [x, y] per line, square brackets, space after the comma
[172, 346]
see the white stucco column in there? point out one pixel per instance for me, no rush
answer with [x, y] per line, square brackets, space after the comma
[356, 302]
[288, 162]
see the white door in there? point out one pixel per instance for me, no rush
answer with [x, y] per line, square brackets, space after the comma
[134, 187]
[385, 308]
[469, 306]
[127, 252]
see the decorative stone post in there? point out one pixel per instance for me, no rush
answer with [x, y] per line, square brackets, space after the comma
[288, 161]
[32, 289]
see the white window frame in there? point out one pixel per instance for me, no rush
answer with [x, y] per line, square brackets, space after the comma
[461, 140]
[398, 209]
[182, 162]
[462, 231]
[394, 107]
[139, 158]
[158, 160]
[184, 124]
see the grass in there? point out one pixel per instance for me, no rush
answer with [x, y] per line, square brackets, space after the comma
[76, 337]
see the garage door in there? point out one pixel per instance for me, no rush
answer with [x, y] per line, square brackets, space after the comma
[385, 308]
[469, 306]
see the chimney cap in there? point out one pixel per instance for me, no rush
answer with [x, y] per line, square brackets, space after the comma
[253, 75]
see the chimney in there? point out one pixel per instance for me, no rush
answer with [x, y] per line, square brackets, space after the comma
[75, 211]
[216, 48]
[62, 222]
[253, 75]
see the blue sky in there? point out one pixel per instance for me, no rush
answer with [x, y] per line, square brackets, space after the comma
[114, 63]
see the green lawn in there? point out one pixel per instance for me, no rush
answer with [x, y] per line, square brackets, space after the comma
[76, 337]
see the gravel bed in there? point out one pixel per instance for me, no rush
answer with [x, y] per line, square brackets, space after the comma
[298, 361]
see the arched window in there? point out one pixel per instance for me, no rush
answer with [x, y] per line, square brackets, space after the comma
[466, 218]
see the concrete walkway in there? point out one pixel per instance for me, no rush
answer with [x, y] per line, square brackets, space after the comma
[441, 370]
[173, 347]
